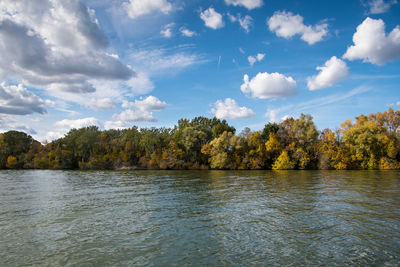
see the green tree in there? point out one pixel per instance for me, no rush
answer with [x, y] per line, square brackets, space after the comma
[268, 129]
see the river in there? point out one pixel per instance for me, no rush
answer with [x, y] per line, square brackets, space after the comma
[197, 218]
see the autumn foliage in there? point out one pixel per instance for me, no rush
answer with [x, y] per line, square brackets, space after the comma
[369, 142]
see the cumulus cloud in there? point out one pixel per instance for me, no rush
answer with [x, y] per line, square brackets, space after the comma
[187, 32]
[150, 103]
[79, 123]
[167, 30]
[126, 117]
[56, 45]
[254, 59]
[268, 85]
[137, 111]
[371, 44]
[273, 115]
[249, 4]
[286, 25]
[212, 18]
[64, 126]
[380, 6]
[137, 8]
[17, 100]
[7, 123]
[333, 71]
[251, 60]
[229, 109]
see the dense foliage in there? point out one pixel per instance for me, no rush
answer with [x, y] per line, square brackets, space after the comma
[370, 142]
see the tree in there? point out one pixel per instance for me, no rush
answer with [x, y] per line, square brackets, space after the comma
[273, 149]
[365, 138]
[11, 162]
[268, 129]
[225, 152]
[283, 162]
[255, 151]
[331, 154]
[370, 142]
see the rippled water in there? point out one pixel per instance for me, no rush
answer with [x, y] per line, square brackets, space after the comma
[53, 218]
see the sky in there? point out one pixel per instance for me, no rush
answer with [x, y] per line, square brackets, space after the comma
[149, 63]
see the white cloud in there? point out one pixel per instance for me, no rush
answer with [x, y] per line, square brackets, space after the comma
[260, 56]
[102, 103]
[241, 50]
[246, 22]
[7, 123]
[130, 116]
[268, 85]
[154, 61]
[64, 126]
[249, 4]
[137, 8]
[167, 30]
[107, 93]
[273, 115]
[187, 32]
[231, 17]
[333, 71]
[212, 18]
[229, 109]
[150, 103]
[137, 111]
[140, 84]
[79, 123]
[55, 45]
[286, 25]
[254, 59]
[251, 60]
[371, 44]
[380, 6]
[17, 100]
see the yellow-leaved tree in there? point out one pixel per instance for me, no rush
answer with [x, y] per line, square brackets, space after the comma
[283, 162]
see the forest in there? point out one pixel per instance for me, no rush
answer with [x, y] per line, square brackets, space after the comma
[368, 142]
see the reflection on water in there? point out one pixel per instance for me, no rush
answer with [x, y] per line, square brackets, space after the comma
[199, 218]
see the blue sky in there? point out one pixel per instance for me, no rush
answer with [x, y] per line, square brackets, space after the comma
[148, 63]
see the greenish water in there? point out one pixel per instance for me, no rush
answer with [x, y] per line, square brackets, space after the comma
[159, 218]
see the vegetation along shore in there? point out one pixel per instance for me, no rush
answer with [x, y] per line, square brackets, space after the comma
[368, 142]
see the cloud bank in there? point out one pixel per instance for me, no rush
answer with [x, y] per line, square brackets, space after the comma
[56, 45]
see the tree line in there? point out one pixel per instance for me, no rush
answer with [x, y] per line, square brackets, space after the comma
[370, 142]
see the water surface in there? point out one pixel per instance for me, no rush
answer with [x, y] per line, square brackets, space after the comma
[240, 218]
